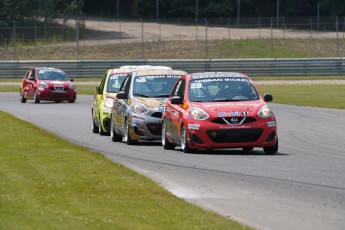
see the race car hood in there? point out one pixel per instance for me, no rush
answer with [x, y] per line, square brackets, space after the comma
[214, 108]
[151, 102]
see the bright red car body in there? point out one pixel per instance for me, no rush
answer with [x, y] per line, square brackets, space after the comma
[218, 110]
[47, 84]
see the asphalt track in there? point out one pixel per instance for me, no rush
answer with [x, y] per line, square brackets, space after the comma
[302, 187]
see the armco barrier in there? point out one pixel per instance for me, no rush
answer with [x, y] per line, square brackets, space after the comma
[252, 67]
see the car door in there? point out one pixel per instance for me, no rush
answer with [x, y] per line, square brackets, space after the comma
[177, 111]
[29, 83]
[121, 105]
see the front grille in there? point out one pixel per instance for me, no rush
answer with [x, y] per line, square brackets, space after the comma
[234, 135]
[157, 115]
[155, 128]
[227, 120]
[58, 95]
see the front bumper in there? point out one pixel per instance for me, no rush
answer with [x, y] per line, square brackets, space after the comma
[51, 95]
[145, 127]
[262, 133]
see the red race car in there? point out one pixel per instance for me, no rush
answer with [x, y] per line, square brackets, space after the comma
[218, 110]
[48, 84]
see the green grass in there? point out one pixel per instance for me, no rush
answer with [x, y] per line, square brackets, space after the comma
[224, 48]
[325, 96]
[48, 183]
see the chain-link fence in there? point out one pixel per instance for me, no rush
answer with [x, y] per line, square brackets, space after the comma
[170, 38]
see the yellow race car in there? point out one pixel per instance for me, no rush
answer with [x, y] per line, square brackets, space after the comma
[105, 94]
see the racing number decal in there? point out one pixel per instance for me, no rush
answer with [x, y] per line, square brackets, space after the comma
[196, 85]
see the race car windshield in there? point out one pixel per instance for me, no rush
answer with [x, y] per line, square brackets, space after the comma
[52, 75]
[154, 86]
[114, 82]
[222, 90]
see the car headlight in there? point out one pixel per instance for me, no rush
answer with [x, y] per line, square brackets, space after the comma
[108, 103]
[72, 86]
[42, 84]
[140, 108]
[198, 114]
[265, 112]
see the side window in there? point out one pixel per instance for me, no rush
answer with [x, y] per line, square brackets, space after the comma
[124, 84]
[101, 85]
[30, 75]
[179, 88]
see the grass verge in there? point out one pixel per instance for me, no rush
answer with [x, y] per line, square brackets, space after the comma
[324, 96]
[48, 183]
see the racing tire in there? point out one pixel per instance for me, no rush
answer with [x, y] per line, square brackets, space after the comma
[94, 127]
[128, 139]
[36, 100]
[166, 144]
[115, 137]
[22, 98]
[100, 129]
[71, 101]
[247, 149]
[184, 142]
[272, 149]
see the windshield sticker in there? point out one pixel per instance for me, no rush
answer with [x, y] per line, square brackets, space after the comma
[149, 77]
[116, 76]
[217, 75]
[49, 71]
[220, 80]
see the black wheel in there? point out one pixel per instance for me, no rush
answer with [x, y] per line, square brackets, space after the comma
[247, 149]
[71, 101]
[115, 137]
[184, 143]
[128, 139]
[94, 127]
[166, 144]
[36, 100]
[21, 95]
[100, 129]
[272, 149]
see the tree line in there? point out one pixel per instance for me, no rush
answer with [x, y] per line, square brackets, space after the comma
[147, 9]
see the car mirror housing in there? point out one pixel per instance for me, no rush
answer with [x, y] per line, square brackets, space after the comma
[71, 79]
[176, 100]
[268, 97]
[121, 95]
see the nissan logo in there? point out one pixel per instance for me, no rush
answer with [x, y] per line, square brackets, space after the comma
[234, 120]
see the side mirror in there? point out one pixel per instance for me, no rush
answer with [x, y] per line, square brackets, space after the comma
[71, 79]
[175, 100]
[98, 90]
[121, 95]
[268, 97]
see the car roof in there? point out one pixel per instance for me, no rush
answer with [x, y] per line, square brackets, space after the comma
[217, 74]
[144, 67]
[159, 72]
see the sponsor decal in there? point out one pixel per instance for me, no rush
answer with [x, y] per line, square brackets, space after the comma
[221, 114]
[235, 114]
[271, 124]
[235, 127]
[194, 126]
[161, 109]
[57, 83]
[138, 120]
[106, 111]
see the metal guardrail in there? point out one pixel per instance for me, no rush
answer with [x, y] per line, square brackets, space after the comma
[252, 67]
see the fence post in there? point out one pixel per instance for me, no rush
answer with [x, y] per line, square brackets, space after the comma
[14, 41]
[206, 48]
[78, 51]
[271, 43]
[337, 28]
[142, 38]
